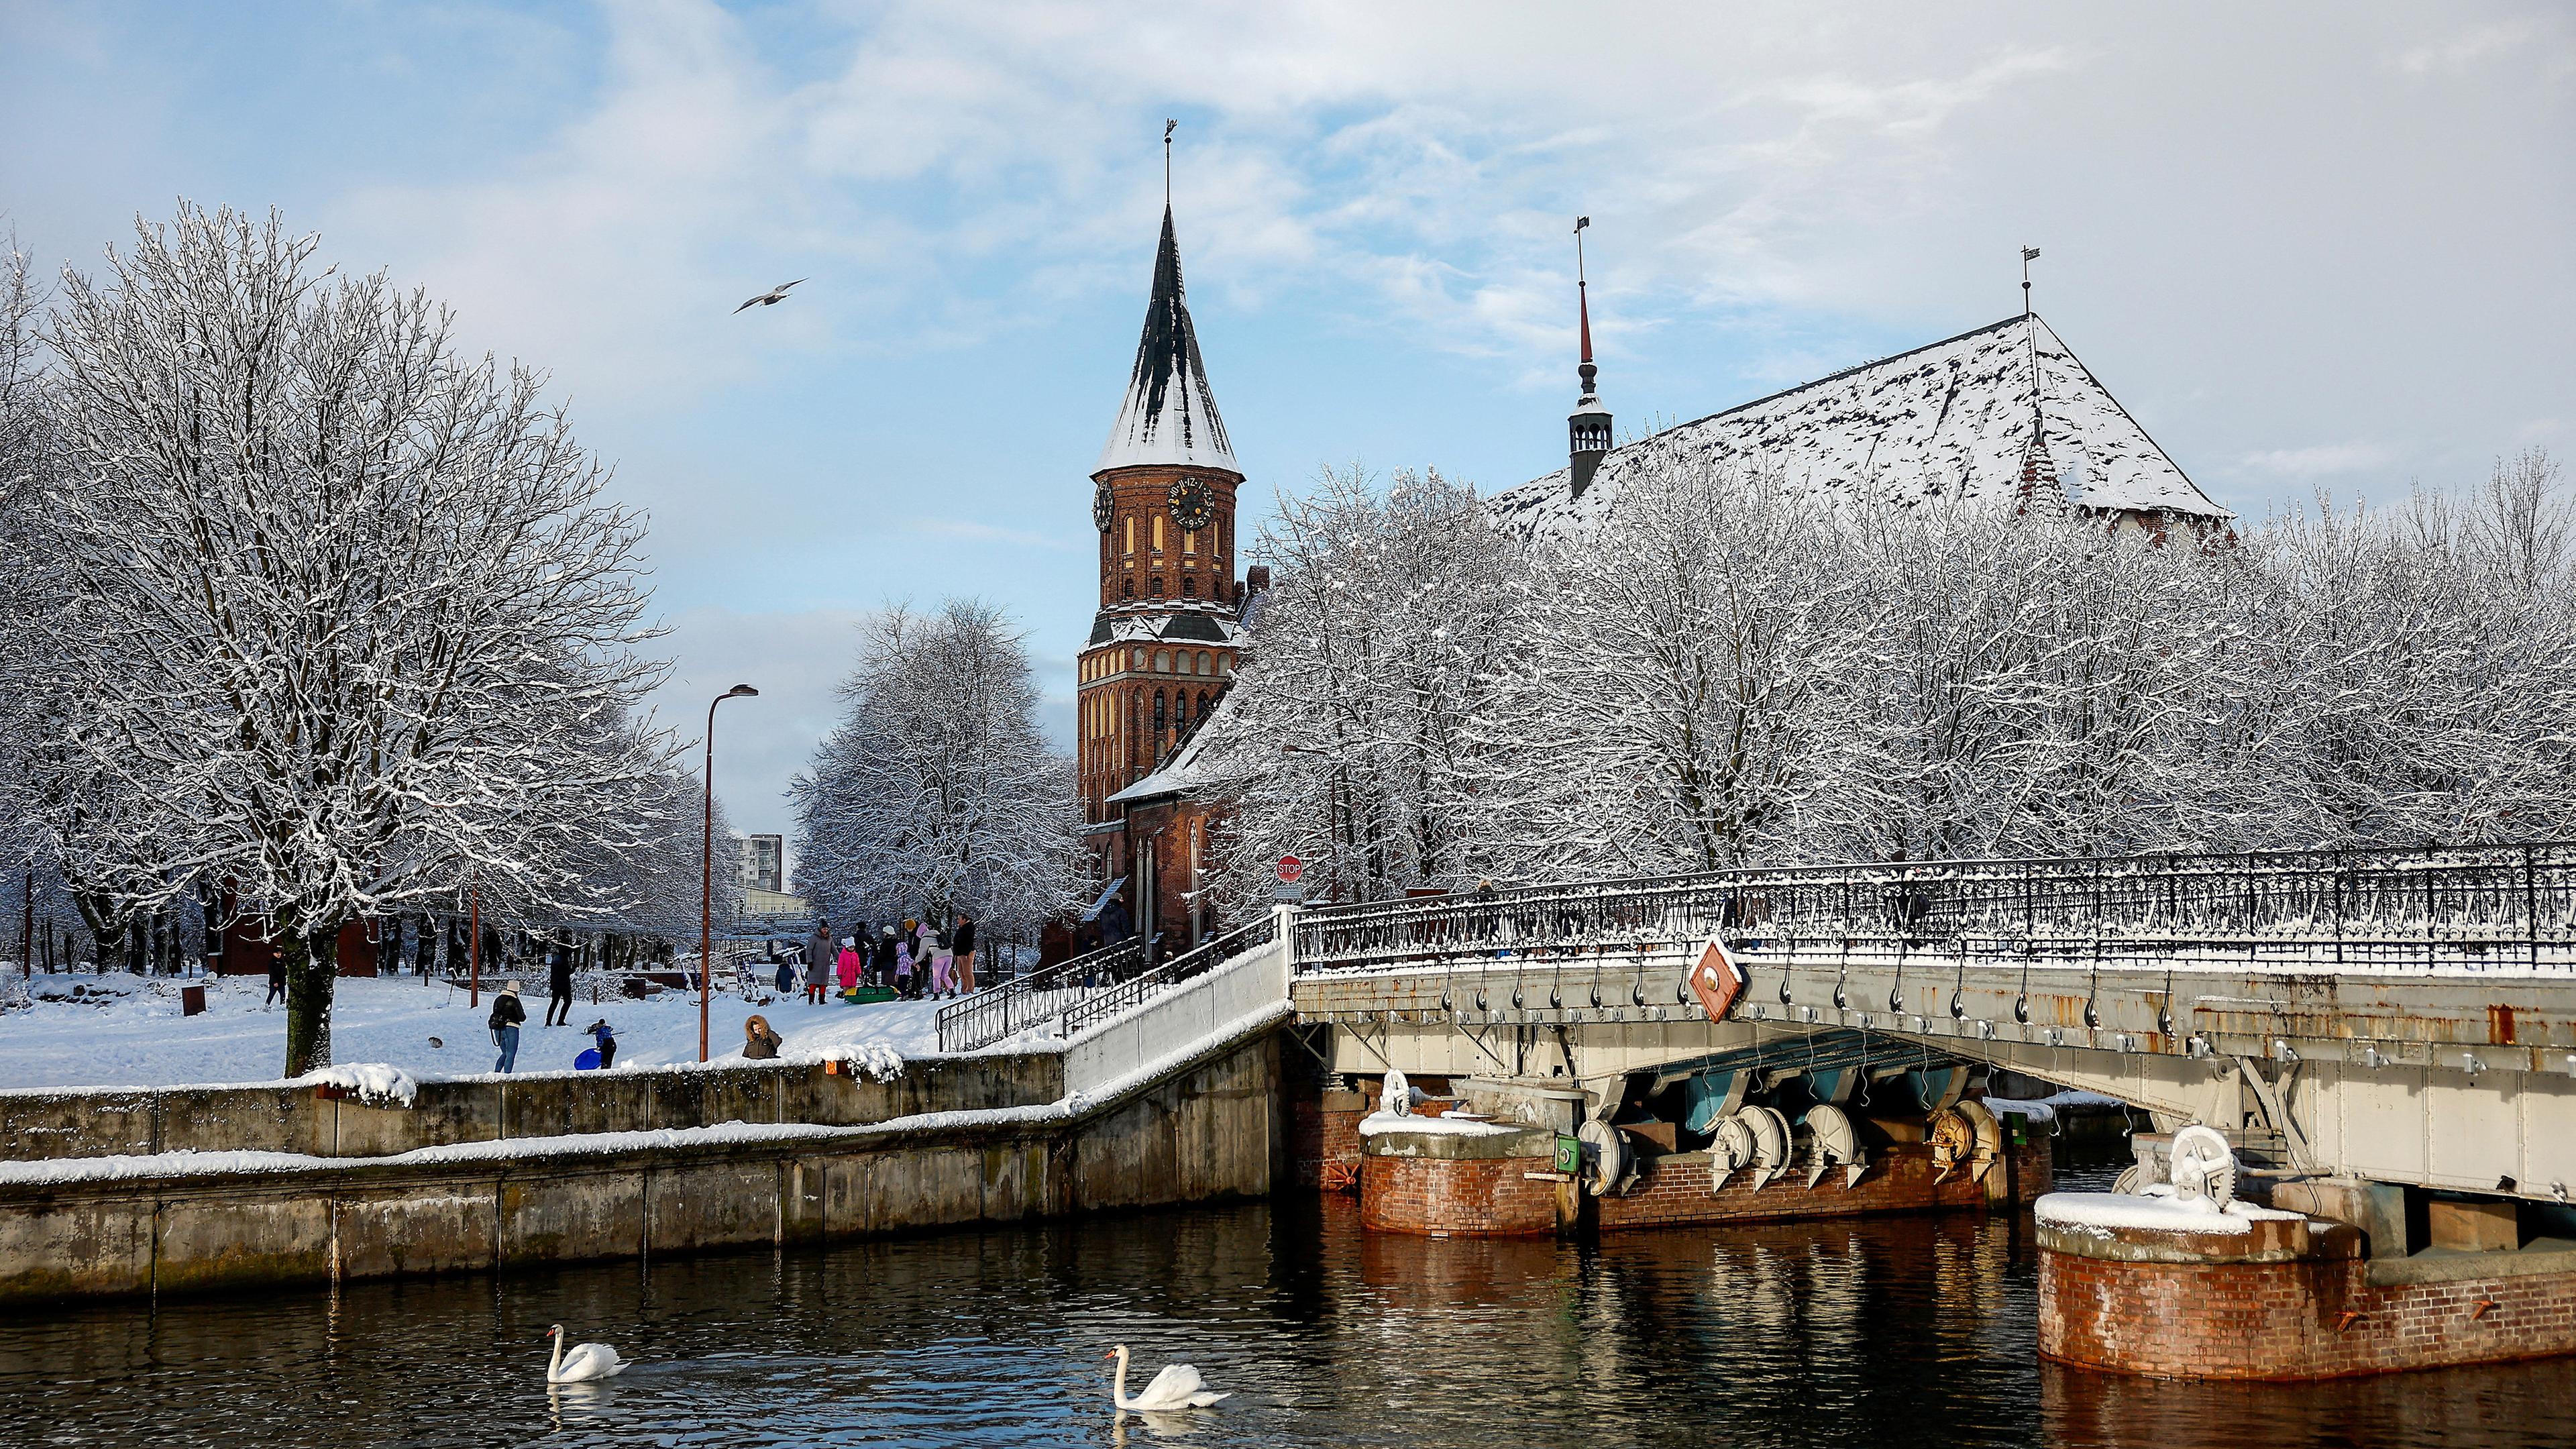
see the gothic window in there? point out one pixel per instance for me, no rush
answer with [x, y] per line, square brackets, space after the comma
[1162, 661]
[1131, 533]
[1189, 586]
[1162, 719]
[1127, 588]
[1203, 704]
[1181, 710]
[1137, 659]
[1158, 533]
[1205, 665]
[1157, 589]
[1189, 541]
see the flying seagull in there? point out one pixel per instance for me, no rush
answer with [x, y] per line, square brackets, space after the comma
[772, 297]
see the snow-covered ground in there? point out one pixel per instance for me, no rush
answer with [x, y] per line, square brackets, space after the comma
[138, 1038]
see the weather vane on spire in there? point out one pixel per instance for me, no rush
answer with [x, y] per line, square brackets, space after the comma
[2028, 256]
[1169, 126]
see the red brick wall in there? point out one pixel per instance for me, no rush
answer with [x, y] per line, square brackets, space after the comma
[2286, 1320]
[1458, 1197]
[1317, 1136]
[1675, 1189]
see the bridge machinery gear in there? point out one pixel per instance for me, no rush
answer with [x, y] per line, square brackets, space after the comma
[2204, 1166]
[1833, 1142]
[1965, 1134]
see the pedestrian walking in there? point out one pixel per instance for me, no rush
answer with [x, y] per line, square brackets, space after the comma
[818, 953]
[506, 1016]
[963, 944]
[276, 978]
[759, 1043]
[558, 985]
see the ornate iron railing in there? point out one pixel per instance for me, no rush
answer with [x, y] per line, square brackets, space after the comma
[1037, 996]
[1197, 961]
[2501, 907]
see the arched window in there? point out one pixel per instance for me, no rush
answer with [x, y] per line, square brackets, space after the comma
[1205, 665]
[1203, 704]
[1158, 533]
[1189, 586]
[1189, 540]
[1131, 533]
[1136, 659]
[1162, 661]
[1162, 720]
[1181, 710]
[1127, 588]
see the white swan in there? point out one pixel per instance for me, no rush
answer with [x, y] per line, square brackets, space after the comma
[586, 1362]
[1178, 1386]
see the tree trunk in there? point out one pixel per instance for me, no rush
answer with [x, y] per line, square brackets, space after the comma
[311, 971]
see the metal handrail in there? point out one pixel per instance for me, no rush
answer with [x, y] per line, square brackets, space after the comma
[2486, 907]
[1195, 962]
[988, 1016]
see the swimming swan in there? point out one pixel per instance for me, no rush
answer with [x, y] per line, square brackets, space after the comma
[586, 1362]
[1178, 1386]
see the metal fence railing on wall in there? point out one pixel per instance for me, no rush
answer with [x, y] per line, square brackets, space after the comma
[2478, 907]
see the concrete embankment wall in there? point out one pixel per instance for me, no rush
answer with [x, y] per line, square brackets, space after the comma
[1205, 1130]
[40, 1125]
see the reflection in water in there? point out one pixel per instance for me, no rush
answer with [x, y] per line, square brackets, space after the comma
[1878, 1333]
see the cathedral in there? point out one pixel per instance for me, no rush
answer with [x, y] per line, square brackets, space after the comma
[2003, 416]
[1170, 627]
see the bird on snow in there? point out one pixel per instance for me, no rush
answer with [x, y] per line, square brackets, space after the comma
[770, 298]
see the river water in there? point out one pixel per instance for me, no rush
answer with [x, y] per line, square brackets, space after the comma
[1873, 1333]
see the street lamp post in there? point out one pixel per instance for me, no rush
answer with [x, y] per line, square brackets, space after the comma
[707, 881]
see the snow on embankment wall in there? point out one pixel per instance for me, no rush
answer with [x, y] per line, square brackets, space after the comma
[376, 1111]
[1193, 1126]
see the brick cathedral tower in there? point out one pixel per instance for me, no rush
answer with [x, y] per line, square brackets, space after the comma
[1166, 639]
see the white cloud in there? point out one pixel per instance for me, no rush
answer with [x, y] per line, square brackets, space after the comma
[2327, 460]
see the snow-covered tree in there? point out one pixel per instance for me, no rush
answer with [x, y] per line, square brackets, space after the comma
[937, 791]
[1726, 671]
[1684, 700]
[1394, 618]
[351, 615]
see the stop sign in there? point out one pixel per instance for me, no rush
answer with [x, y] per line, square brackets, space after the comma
[1290, 867]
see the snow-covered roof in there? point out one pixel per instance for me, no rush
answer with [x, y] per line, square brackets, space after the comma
[1169, 415]
[1212, 755]
[1205, 624]
[1949, 420]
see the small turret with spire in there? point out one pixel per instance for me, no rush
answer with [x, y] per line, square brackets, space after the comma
[1587, 428]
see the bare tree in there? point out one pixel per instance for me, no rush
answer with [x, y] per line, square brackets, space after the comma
[353, 618]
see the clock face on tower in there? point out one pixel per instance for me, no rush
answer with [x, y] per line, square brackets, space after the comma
[1193, 506]
[1104, 510]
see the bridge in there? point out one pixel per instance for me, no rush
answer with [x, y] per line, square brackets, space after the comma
[2404, 1016]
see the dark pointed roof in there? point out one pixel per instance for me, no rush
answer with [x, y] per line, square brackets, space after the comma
[1169, 415]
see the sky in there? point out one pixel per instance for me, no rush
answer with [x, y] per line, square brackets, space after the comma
[2316, 248]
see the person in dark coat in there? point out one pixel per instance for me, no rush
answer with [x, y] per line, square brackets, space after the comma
[558, 985]
[276, 978]
[962, 942]
[885, 955]
[507, 1014]
[759, 1043]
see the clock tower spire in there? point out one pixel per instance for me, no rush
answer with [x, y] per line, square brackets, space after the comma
[1164, 644]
